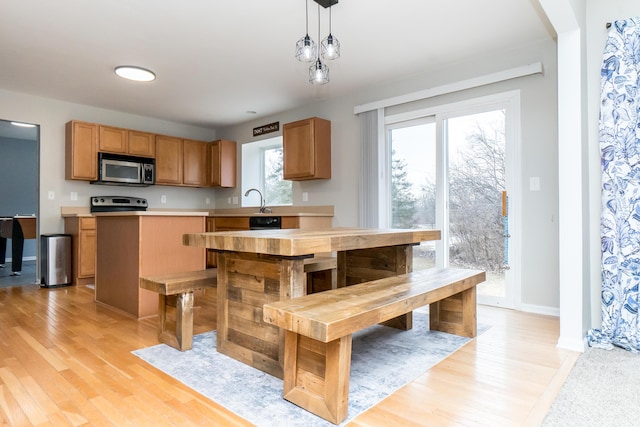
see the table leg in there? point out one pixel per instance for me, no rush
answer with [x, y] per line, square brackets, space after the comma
[3, 251]
[246, 282]
[17, 245]
[363, 265]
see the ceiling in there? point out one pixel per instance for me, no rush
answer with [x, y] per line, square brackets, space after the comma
[218, 60]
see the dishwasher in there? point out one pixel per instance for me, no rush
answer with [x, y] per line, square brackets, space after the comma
[265, 222]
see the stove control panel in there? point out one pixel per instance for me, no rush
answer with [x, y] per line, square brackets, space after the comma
[117, 203]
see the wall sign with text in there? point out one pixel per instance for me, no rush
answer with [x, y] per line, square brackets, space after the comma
[271, 127]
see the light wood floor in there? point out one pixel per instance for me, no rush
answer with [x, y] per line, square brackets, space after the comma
[65, 361]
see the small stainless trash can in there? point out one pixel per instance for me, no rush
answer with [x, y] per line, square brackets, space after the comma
[55, 260]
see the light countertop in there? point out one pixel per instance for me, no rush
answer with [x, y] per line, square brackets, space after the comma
[152, 213]
[285, 211]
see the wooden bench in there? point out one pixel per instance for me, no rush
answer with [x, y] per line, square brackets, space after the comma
[182, 285]
[318, 328]
[322, 272]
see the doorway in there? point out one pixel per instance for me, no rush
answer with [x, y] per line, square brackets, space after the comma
[19, 170]
[456, 171]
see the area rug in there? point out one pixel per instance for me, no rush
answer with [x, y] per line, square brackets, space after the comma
[383, 360]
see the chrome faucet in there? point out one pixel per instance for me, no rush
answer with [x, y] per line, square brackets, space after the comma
[263, 209]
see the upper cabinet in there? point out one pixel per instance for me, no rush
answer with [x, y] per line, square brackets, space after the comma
[306, 146]
[81, 151]
[223, 163]
[168, 160]
[195, 163]
[178, 161]
[124, 141]
[113, 140]
[141, 144]
[192, 163]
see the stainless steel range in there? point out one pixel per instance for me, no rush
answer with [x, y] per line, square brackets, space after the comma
[117, 204]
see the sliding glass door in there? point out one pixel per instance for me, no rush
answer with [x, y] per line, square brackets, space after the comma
[454, 172]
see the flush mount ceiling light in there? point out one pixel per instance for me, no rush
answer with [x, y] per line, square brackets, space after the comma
[138, 74]
[308, 51]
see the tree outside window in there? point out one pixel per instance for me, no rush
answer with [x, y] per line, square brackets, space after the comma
[276, 190]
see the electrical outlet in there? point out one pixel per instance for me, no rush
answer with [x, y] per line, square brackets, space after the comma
[163, 199]
[229, 200]
[235, 200]
[305, 196]
[207, 200]
[74, 195]
[51, 195]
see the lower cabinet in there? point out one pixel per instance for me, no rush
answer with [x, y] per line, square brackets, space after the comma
[83, 238]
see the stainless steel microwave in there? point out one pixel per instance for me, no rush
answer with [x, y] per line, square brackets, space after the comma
[118, 169]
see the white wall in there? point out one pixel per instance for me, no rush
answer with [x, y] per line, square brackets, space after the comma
[539, 153]
[599, 12]
[52, 115]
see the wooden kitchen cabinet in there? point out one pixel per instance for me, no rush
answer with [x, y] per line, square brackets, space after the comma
[125, 141]
[168, 160]
[81, 151]
[83, 243]
[134, 246]
[223, 164]
[142, 144]
[113, 140]
[306, 150]
[195, 163]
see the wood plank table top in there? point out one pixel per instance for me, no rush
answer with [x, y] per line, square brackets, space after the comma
[297, 242]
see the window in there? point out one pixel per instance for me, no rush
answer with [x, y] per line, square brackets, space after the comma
[262, 169]
[455, 168]
[412, 192]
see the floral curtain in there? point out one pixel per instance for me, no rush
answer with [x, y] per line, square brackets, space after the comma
[620, 160]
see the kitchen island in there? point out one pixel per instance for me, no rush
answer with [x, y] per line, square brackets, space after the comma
[263, 266]
[142, 243]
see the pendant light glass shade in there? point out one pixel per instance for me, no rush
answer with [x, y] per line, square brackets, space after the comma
[330, 47]
[318, 73]
[306, 49]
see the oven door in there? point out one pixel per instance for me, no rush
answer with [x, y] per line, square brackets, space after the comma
[120, 171]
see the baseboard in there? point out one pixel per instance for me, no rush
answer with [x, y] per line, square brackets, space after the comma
[540, 309]
[573, 344]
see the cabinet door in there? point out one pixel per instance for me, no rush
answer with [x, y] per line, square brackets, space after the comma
[195, 170]
[306, 149]
[81, 151]
[223, 163]
[168, 160]
[113, 140]
[87, 254]
[87, 248]
[142, 144]
[212, 256]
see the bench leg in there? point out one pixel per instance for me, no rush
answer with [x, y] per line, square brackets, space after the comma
[316, 375]
[456, 314]
[182, 337]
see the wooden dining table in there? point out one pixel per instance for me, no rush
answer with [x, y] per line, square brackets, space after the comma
[262, 266]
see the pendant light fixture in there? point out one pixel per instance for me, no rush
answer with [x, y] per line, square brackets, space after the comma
[330, 44]
[318, 72]
[305, 47]
[308, 51]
